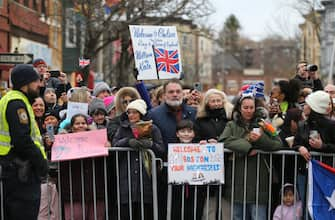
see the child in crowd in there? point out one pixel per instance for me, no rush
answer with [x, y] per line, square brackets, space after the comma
[50, 99]
[72, 183]
[290, 207]
[98, 112]
[185, 134]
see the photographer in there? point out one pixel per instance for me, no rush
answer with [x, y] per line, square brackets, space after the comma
[53, 80]
[317, 84]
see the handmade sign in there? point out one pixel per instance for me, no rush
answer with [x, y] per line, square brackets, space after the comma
[195, 164]
[156, 52]
[79, 145]
[75, 108]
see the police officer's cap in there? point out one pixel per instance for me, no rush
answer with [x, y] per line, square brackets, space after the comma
[23, 74]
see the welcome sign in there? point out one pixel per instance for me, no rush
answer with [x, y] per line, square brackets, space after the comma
[196, 164]
[156, 52]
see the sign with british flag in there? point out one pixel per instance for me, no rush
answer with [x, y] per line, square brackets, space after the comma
[156, 52]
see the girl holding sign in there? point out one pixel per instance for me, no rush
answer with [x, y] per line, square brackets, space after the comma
[77, 181]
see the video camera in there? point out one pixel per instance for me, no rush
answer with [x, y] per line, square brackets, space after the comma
[312, 68]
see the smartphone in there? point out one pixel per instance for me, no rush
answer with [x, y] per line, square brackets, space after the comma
[54, 73]
[256, 130]
[197, 86]
[50, 132]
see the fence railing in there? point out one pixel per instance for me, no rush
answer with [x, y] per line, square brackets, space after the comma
[121, 186]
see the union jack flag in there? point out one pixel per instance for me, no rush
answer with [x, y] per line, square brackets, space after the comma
[167, 60]
[84, 62]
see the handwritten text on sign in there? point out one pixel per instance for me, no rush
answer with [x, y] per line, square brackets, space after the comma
[79, 145]
[144, 38]
[195, 164]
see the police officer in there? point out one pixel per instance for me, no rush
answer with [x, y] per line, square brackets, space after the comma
[22, 156]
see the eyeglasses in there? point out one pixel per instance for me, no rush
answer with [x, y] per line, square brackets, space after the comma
[126, 102]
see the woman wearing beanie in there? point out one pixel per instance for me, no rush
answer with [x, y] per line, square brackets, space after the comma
[317, 133]
[212, 116]
[137, 132]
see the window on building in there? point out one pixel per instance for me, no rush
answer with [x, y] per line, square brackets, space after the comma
[1, 3]
[44, 7]
[184, 39]
[35, 5]
[26, 3]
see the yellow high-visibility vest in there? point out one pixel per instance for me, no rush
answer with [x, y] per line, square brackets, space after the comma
[5, 139]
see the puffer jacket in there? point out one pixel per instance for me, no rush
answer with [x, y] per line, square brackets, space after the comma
[234, 138]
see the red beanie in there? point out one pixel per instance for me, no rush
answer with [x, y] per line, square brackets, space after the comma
[38, 61]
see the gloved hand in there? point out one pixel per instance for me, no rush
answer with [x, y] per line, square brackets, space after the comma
[140, 143]
[43, 169]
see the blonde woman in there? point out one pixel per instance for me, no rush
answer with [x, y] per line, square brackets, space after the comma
[213, 114]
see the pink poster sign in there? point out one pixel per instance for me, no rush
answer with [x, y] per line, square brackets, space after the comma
[79, 145]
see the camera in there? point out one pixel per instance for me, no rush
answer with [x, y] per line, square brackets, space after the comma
[54, 73]
[312, 68]
[197, 86]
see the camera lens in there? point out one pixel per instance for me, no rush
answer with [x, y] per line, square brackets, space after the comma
[312, 68]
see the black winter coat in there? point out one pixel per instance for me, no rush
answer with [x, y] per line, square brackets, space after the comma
[121, 139]
[210, 126]
[326, 129]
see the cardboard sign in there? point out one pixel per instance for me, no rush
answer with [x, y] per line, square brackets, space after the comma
[195, 164]
[79, 145]
[156, 52]
[76, 108]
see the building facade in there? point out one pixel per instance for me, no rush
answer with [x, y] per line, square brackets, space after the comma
[327, 37]
[310, 42]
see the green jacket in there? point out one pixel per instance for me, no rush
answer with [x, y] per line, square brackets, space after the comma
[234, 138]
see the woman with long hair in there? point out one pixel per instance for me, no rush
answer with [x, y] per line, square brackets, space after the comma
[244, 135]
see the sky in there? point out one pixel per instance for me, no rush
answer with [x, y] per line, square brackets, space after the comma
[258, 18]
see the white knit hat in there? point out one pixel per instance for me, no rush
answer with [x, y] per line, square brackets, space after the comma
[319, 102]
[138, 105]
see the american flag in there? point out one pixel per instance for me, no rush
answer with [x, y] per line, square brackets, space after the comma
[84, 62]
[167, 60]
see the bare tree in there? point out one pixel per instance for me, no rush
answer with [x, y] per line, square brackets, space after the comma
[103, 25]
[308, 9]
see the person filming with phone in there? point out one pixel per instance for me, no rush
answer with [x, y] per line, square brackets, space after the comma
[317, 133]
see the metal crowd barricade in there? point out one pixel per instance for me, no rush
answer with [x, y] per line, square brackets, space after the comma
[109, 166]
[272, 192]
[110, 212]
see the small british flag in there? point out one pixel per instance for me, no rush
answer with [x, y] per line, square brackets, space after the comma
[167, 60]
[84, 62]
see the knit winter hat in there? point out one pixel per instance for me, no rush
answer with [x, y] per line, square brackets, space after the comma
[38, 61]
[53, 113]
[319, 102]
[23, 74]
[138, 105]
[100, 87]
[95, 105]
[108, 100]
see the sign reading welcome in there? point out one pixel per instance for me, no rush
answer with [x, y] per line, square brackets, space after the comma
[195, 164]
[79, 145]
[156, 52]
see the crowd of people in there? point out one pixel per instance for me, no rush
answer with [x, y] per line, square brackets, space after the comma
[298, 115]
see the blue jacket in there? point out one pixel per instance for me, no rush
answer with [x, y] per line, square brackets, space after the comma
[165, 120]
